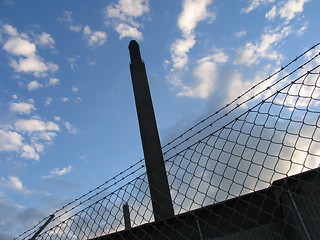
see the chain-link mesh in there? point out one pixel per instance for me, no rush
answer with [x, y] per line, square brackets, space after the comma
[248, 171]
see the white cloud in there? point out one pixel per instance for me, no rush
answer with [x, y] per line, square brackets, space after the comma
[127, 9]
[28, 137]
[62, 171]
[34, 65]
[20, 47]
[124, 13]
[33, 85]
[70, 128]
[286, 9]
[59, 172]
[35, 125]
[252, 53]
[179, 51]
[45, 40]
[48, 101]
[65, 99]
[126, 30]
[302, 29]
[23, 51]
[219, 56]
[10, 140]
[74, 89]
[67, 18]
[73, 62]
[48, 136]
[205, 75]
[237, 84]
[30, 152]
[15, 183]
[11, 31]
[53, 81]
[201, 85]
[240, 34]
[291, 8]
[193, 12]
[272, 13]
[254, 4]
[22, 107]
[94, 38]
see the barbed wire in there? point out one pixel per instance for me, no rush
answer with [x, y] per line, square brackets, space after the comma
[189, 159]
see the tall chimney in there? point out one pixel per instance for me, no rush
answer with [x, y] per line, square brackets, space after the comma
[156, 172]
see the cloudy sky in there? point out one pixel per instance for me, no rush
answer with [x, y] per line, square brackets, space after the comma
[68, 118]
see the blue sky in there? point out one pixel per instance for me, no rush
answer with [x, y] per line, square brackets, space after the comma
[68, 119]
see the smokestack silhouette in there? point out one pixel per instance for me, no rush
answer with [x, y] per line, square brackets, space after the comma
[156, 172]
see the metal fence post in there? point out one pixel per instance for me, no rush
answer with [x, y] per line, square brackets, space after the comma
[42, 227]
[126, 216]
[157, 177]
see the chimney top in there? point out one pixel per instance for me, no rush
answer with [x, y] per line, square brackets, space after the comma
[134, 50]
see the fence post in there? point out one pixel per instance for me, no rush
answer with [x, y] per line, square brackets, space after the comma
[156, 172]
[42, 227]
[126, 216]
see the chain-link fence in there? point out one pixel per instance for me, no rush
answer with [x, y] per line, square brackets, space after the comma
[248, 171]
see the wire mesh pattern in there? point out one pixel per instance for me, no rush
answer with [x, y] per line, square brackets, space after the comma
[248, 171]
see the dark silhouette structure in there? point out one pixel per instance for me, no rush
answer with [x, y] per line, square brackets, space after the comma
[156, 172]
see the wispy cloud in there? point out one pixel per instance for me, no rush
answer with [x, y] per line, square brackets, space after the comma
[73, 62]
[59, 172]
[203, 73]
[253, 4]
[67, 19]
[192, 13]
[252, 53]
[48, 101]
[71, 129]
[287, 10]
[14, 183]
[240, 34]
[93, 38]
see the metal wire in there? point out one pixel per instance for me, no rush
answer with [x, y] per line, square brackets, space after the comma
[224, 172]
